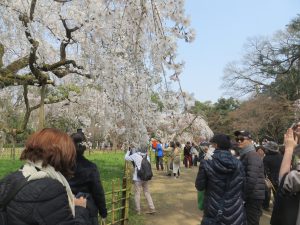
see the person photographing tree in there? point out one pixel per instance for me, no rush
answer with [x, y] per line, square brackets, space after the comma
[286, 207]
[86, 181]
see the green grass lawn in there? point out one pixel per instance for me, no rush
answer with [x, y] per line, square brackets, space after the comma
[110, 164]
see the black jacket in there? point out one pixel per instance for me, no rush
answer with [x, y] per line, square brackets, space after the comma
[222, 179]
[187, 150]
[286, 206]
[87, 180]
[255, 178]
[272, 163]
[40, 202]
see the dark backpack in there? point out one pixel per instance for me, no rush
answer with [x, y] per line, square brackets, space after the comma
[8, 188]
[145, 172]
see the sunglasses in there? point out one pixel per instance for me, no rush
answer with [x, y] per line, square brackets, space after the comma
[241, 139]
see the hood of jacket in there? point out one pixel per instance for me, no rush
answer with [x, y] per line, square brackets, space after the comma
[223, 162]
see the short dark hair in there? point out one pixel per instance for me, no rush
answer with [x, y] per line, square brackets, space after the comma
[52, 147]
[172, 144]
[222, 140]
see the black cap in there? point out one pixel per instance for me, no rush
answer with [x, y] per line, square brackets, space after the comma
[222, 140]
[243, 133]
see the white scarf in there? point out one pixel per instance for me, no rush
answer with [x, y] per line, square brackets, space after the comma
[29, 170]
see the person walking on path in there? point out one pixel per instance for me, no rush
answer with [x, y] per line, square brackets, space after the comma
[187, 161]
[255, 178]
[194, 154]
[159, 154]
[168, 159]
[136, 156]
[221, 177]
[176, 160]
[86, 181]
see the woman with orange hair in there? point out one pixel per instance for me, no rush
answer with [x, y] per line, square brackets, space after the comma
[41, 193]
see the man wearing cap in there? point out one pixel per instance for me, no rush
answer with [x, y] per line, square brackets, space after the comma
[272, 162]
[255, 180]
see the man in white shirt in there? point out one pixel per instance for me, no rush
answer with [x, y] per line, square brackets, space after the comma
[136, 156]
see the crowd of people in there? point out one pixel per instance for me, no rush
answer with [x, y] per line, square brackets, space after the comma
[240, 177]
[238, 183]
[237, 179]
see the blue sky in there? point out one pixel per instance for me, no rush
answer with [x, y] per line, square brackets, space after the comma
[222, 28]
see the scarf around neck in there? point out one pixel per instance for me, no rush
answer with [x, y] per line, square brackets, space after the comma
[247, 149]
[30, 170]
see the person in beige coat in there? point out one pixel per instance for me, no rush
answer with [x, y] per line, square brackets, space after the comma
[176, 160]
[168, 159]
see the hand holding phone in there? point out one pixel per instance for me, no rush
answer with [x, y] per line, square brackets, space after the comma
[296, 131]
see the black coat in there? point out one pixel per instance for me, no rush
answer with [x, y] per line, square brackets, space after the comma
[222, 179]
[272, 163]
[87, 180]
[40, 202]
[255, 178]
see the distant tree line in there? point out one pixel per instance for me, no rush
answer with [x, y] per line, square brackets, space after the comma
[268, 76]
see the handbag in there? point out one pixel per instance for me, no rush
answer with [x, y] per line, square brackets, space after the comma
[200, 199]
[269, 184]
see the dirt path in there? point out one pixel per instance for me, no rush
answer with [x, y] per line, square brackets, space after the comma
[176, 200]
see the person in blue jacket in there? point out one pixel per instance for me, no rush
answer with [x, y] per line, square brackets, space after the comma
[159, 154]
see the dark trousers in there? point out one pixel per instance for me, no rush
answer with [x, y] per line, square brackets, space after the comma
[253, 211]
[266, 202]
[159, 162]
[187, 161]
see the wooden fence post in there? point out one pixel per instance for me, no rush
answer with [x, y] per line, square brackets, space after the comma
[124, 202]
[127, 196]
[113, 203]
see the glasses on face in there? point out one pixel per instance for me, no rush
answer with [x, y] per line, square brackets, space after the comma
[240, 139]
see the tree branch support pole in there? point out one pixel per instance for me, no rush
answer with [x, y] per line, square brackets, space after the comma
[42, 108]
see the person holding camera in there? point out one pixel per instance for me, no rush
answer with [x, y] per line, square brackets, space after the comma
[86, 181]
[286, 207]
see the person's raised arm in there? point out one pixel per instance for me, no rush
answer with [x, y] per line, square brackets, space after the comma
[289, 142]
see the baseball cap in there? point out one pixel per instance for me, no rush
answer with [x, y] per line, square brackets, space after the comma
[243, 133]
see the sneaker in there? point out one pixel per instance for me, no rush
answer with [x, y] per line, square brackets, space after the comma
[151, 211]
